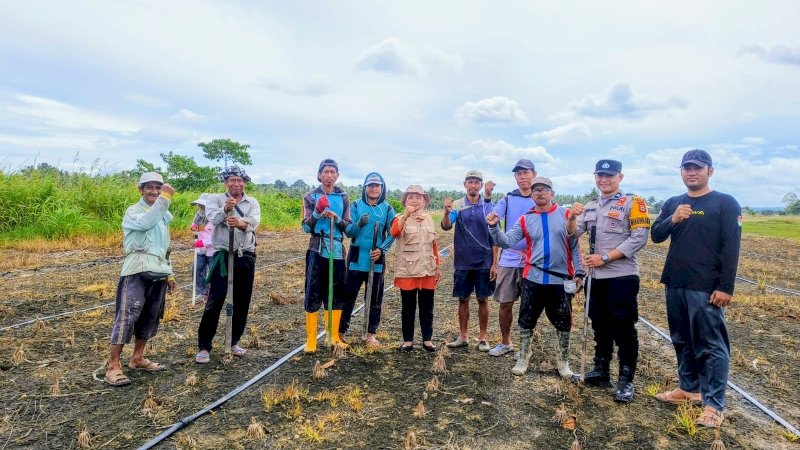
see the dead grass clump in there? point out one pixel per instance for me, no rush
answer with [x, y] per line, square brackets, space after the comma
[439, 364]
[433, 385]
[172, 313]
[150, 405]
[7, 311]
[545, 366]
[318, 372]
[84, 438]
[255, 430]
[69, 339]
[339, 351]
[55, 382]
[38, 326]
[270, 398]
[354, 400]
[560, 416]
[653, 389]
[311, 433]
[410, 441]
[556, 389]
[328, 396]
[420, 411]
[19, 355]
[255, 336]
[648, 368]
[685, 417]
[444, 351]
[187, 442]
[191, 379]
[717, 444]
[279, 298]
[102, 290]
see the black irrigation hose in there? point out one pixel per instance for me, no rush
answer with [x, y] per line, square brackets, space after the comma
[743, 279]
[105, 305]
[180, 424]
[733, 386]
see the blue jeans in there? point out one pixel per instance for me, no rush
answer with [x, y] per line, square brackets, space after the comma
[201, 269]
[700, 337]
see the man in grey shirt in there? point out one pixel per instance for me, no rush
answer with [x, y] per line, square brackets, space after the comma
[622, 225]
[231, 209]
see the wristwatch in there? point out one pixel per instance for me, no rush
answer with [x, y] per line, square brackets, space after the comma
[604, 258]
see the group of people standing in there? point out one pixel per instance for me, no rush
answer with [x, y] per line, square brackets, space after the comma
[524, 247]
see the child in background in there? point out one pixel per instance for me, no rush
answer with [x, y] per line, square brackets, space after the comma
[203, 229]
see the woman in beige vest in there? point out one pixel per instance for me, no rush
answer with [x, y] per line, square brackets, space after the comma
[417, 265]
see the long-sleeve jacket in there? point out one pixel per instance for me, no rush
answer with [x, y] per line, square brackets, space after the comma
[248, 211]
[146, 237]
[319, 227]
[622, 223]
[381, 213]
[547, 245]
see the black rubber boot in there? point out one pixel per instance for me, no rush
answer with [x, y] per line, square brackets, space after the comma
[624, 391]
[599, 376]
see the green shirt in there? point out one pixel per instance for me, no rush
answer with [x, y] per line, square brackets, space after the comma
[146, 237]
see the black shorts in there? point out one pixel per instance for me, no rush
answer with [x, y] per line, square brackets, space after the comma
[465, 282]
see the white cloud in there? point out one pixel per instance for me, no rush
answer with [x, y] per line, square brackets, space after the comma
[621, 102]
[623, 150]
[790, 147]
[754, 141]
[395, 57]
[187, 115]
[146, 100]
[314, 86]
[500, 151]
[45, 112]
[492, 110]
[780, 54]
[564, 134]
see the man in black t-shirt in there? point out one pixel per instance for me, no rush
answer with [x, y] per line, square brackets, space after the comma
[704, 227]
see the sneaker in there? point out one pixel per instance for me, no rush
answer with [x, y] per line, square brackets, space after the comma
[458, 343]
[710, 418]
[501, 349]
[483, 346]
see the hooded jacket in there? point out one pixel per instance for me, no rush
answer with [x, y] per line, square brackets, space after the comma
[319, 227]
[381, 213]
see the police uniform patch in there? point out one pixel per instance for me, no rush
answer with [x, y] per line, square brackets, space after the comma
[638, 216]
[613, 214]
[622, 201]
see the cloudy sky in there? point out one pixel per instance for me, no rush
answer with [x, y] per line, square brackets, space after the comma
[420, 91]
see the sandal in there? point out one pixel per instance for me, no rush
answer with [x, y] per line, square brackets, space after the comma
[430, 348]
[678, 395]
[116, 378]
[406, 348]
[238, 351]
[149, 366]
[202, 357]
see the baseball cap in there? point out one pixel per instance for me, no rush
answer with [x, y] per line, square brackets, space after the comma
[542, 180]
[524, 164]
[608, 166]
[697, 157]
[149, 177]
[473, 174]
[373, 178]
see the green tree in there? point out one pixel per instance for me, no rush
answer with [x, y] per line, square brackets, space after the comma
[143, 166]
[791, 203]
[226, 150]
[185, 174]
[280, 184]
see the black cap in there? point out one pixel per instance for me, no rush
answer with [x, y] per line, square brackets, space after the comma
[524, 164]
[608, 166]
[697, 157]
[327, 162]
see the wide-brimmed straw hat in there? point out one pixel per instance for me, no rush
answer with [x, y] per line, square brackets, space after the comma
[416, 189]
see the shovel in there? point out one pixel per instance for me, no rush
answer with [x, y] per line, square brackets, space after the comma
[368, 296]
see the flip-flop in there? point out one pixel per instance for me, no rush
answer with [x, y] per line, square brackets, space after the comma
[238, 351]
[150, 366]
[116, 378]
[202, 359]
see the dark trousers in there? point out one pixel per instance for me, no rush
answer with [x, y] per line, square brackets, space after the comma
[355, 278]
[549, 298]
[317, 282]
[203, 263]
[410, 298]
[244, 268]
[614, 311]
[700, 337]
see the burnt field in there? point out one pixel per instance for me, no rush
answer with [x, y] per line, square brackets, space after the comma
[52, 397]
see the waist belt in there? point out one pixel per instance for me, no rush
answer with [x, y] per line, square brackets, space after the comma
[555, 274]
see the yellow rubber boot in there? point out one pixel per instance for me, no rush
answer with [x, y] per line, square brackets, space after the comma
[337, 316]
[311, 332]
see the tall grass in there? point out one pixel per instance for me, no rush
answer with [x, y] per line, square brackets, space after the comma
[52, 205]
